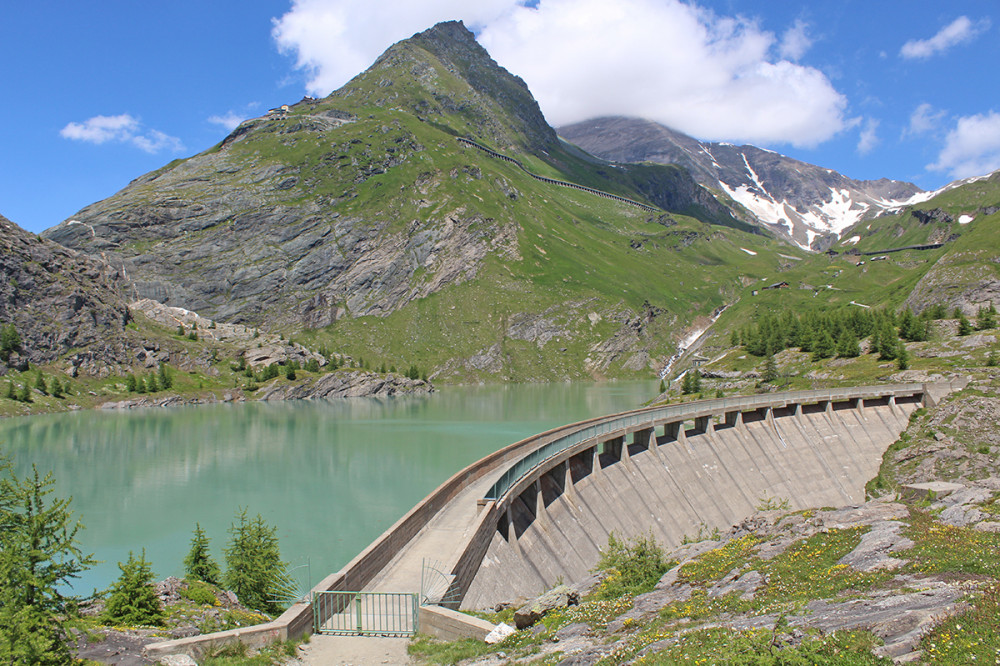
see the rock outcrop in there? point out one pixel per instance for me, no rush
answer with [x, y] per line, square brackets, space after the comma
[59, 299]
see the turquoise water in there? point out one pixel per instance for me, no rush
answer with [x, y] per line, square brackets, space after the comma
[330, 475]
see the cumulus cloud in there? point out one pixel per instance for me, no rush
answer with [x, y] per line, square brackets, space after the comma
[333, 40]
[869, 137]
[972, 148]
[228, 120]
[713, 76]
[122, 128]
[796, 41]
[925, 119]
[958, 31]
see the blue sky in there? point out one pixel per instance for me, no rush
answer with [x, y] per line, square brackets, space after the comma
[905, 90]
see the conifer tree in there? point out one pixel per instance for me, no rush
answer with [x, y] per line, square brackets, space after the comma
[902, 357]
[133, 599]
[986, 318]
[198, 564]
[254, 569]
[964, 326]
[56, 388]
[770, 373]
[10, 341]
[847, 346]
[824, 346]
[130, 383]
[166, 380]
[151, 384]
[11, 392]
[40, 384]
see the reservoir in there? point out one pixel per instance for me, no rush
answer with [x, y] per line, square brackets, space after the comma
[330, 475]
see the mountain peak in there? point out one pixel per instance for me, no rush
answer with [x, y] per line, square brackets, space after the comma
[443, 75]
[808, 204]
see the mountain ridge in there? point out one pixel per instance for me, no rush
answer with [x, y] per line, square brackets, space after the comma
[805, 203]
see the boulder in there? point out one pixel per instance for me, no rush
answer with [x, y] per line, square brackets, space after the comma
[560, 596]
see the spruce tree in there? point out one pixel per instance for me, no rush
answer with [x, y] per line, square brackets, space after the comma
[151, 384]
[964, 326]
[902, 357]
[198, 564]
[10, 341]
[38, 545]
[133, 599]
[986, 318]
[166, 380]
[56, 389]
[254, 569]
[11, 392]
[130, 383]
[40, 384]
[770, 369]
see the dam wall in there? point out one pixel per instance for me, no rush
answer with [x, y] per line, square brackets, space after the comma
[705, 468]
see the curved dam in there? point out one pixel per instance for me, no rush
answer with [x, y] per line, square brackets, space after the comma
[703, 467]
[539, 511]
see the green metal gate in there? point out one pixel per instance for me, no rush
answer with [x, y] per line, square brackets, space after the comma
[365, 613]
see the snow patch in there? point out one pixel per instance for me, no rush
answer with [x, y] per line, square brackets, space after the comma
[750, 252]
[965, 219]
[852, 240]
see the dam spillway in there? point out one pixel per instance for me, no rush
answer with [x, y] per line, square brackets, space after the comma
[707, 468]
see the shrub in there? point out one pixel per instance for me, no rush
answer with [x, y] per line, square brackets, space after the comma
[633, 566]
[199, 593]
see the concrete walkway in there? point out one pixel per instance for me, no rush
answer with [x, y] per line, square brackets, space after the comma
[435, 543]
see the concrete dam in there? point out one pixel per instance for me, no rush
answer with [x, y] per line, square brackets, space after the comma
[538, 511]
[683, 471]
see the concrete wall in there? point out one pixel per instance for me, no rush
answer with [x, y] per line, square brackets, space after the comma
[680, 480]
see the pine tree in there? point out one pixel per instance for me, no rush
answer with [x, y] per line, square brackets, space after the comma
[133, 599]
[198, 564]
[24, 395]
[290, 372]
[902, 357]
[166, 380]
[151, 384]
[10, 341]
[254, 569]
[823, 346]
[40, 384]
[40, 536]
[770, 369]
[964, 326]
[986, 318]
[847, 346]
[11, 392]
[180, 330]
[130, 383]
[56, 388]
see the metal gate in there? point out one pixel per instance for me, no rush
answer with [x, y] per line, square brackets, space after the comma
[365, 613]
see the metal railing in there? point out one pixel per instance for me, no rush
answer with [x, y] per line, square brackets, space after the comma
[652, 416]
[365, 613]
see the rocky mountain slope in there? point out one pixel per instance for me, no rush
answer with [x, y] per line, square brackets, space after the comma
[808, 204]
[60, 300]
[362, 220]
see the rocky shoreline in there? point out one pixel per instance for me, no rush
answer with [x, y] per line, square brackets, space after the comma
[343, 384]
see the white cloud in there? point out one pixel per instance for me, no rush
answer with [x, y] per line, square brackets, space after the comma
[924, 119]
[333, 40]
[229, 120]
[708, 75]
[101, 129]
[972, 148]
[122, 128]
[868, 138]
[960, 30]
[796, 41]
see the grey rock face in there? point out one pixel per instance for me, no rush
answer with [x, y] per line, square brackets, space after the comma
[59, 300]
